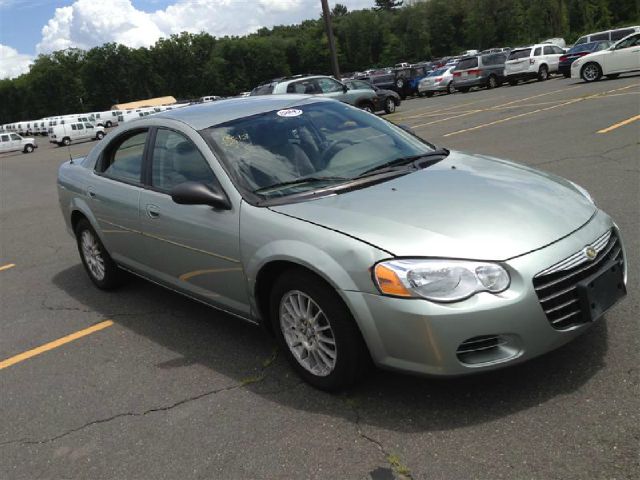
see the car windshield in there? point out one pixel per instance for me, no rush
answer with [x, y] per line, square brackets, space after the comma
[518, 54]
[308, 147]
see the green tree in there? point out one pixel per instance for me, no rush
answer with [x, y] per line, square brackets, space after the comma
[388, 5]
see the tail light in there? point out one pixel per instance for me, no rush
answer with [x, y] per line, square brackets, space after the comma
[532, 61]
[457, 74]
[563, 58]
[438, 79]
[473, 72]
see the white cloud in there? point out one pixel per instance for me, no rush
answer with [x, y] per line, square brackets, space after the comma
[88, 23]
[13, 63]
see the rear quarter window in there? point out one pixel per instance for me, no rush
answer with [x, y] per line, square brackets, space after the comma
[518, 54]
[600, 36]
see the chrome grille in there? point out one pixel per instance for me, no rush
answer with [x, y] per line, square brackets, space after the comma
[557, 286]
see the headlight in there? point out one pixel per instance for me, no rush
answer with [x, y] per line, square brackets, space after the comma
[439, 280]
[583, 191]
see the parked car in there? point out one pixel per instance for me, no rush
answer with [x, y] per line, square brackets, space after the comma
[320, 85]
[622, 57]
[347, 237]
[66, 133]
[209, 98]
[537, 61]
[440, 80]
[12, 142]
[386, 100]
[479, 71]
[578, 51]
[611, 35]
[406, 80]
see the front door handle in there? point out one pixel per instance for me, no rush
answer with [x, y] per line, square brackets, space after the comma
[153, 211]
[91, 192]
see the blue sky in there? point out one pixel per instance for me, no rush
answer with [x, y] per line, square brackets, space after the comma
[21, 21]
[32, 27]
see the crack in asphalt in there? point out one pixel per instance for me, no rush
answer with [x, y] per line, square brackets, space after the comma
[242, 383]
[403, 472]
[604, 154]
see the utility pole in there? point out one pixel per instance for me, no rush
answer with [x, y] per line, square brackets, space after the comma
[332, 43]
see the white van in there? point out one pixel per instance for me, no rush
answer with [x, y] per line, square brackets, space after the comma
[611, 35]
[66, 133]
[106, 119]
[12, 142]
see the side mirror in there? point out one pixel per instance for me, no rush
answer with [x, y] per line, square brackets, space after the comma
[345, 88]
[195, 193]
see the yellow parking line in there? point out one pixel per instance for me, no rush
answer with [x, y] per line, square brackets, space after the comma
[21, 357]
[7, 266]
[620, 124]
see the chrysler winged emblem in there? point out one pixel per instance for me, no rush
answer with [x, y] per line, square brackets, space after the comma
[590, 253]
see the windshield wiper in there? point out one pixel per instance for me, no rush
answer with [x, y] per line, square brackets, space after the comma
[301, 181]
[413, 160]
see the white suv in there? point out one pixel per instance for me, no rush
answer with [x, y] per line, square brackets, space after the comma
[12, 142]
[622, 57]
[537, 61]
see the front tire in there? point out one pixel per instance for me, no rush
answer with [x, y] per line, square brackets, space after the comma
[450, 88]
[316, 331]
[99, 136]
[591, 72]
[390, 105]
[28, 148]
[367, 107]
[97, 262]
[108, 124]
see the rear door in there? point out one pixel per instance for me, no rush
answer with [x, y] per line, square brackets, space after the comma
[193, 248]
[552, 57]
[114, 196]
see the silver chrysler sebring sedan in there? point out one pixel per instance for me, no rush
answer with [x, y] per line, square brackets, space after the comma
[347, 237]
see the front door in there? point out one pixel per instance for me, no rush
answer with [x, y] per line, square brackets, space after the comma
[193, 248]
[625, 57]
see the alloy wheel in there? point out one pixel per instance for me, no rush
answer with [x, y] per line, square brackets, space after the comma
[590, 72]
[308, 333]
[92, 255]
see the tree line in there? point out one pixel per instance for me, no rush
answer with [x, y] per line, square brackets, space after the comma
[192, 65]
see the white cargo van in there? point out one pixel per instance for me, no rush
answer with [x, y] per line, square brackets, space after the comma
[12, 142]
[106, 119]
[75, 132]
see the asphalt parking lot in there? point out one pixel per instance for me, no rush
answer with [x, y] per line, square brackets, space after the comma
[143, 383]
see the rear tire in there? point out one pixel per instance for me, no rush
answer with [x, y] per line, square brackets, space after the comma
[492, 82]
[543, 73]
[108, 124]
[97, 262]
[28, 148]
[320, 338]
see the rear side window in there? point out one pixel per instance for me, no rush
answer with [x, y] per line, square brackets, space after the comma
[177, 160]
[304, 86]
[549, 51]
[124, 161]
[466, 63]
[620, 34]
[537, 52]
[581, 40]
[518, 54]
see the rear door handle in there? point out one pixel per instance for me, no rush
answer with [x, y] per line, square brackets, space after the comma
[153, 211]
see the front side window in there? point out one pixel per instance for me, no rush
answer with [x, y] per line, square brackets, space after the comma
[629, 42]
[548, 51]
[15, 137]
[600, 36]
[124, 160]
[326, 142]
[309, 87]
[80, 127]
[620, 34]
[88, 126]
[328, 85]
[177, 160]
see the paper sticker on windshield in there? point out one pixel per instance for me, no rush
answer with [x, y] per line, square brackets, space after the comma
[290, 112]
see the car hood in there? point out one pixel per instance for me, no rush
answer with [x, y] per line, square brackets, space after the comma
[466, 206]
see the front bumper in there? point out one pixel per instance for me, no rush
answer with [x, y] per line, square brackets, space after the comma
[423, 337]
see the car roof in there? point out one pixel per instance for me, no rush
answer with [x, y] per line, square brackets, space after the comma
[207, 114]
